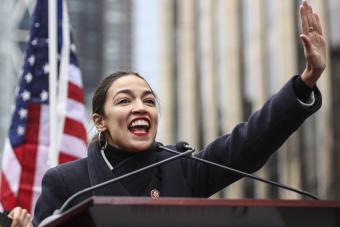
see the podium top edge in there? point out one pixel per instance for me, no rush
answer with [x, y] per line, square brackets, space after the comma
[173, 201]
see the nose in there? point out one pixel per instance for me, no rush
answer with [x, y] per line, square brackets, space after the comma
[139, 107]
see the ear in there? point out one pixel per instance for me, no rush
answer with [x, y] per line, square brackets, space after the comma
[99, 122]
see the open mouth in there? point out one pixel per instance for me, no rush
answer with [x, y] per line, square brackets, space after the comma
[139, 127]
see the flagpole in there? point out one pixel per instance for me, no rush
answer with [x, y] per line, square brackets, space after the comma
[52, 58]
[63, 76]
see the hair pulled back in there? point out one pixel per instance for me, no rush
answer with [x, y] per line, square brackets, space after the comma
[100, 94]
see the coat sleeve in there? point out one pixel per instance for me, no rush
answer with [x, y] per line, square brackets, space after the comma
[52, 196]
[250, 144]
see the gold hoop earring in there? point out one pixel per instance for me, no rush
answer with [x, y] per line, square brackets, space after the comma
[102, 146]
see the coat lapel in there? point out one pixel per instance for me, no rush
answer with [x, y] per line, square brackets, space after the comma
[99, 172]
[138, 184]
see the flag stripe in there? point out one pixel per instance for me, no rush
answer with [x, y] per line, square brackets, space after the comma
[27, 154]
[75, 128]
[75, 75]
[75, 110]
[32, 127]
[11, 163]
[42, 153]
[63, 157]
[7, 196]
[75, 92]
[78, 146]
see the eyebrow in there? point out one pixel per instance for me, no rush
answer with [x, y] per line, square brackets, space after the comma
[130, 92]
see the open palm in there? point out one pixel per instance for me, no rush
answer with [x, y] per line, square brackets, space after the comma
[314, 44]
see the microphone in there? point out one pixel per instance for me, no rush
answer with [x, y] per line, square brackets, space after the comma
[57, 213]
[184, 146]
[180, 146]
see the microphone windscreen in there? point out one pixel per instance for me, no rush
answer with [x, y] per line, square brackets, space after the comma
[181, 146]
[157, 146]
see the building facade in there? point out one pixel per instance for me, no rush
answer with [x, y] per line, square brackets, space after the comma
[219, 60]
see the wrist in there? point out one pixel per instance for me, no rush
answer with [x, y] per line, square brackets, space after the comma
[310, 77]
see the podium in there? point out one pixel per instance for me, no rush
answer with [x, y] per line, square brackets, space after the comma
[139, 211]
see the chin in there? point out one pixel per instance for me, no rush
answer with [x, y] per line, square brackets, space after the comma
[140, 146]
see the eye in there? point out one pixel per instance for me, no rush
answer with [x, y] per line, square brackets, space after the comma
[150, 102]
[123, 101]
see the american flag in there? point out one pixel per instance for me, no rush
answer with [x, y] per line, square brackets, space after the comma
[25, 156]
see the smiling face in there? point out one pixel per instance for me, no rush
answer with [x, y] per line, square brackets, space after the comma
[130, 114]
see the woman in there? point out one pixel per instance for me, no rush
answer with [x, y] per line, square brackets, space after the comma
[125, 115]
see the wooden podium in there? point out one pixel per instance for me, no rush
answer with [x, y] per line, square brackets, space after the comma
[129, 211]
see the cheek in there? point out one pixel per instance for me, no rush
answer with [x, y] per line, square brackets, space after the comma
[155, 116]
[116, 118]
[120, 119]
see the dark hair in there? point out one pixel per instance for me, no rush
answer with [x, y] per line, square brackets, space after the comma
[99, 97]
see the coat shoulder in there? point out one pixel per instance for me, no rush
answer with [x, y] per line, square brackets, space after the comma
[74, 174]
[75, 165]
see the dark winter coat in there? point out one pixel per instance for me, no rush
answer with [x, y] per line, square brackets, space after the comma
[246, 148]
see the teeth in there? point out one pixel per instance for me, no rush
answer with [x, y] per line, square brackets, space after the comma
[140, 123]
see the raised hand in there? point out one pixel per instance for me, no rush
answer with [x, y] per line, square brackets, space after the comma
[314, 45]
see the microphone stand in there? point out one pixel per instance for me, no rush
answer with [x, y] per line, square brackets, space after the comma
[57, 213]
[185, 146]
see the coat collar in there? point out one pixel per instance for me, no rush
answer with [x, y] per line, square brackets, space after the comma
[100, 172]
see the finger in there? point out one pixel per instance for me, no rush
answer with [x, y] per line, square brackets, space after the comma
[310, 16]
[23, 214]
[304, 18]
[15, 213]
[15, 223]
[318, 26]
[24, 217]
[27, 220]
[16, 217]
